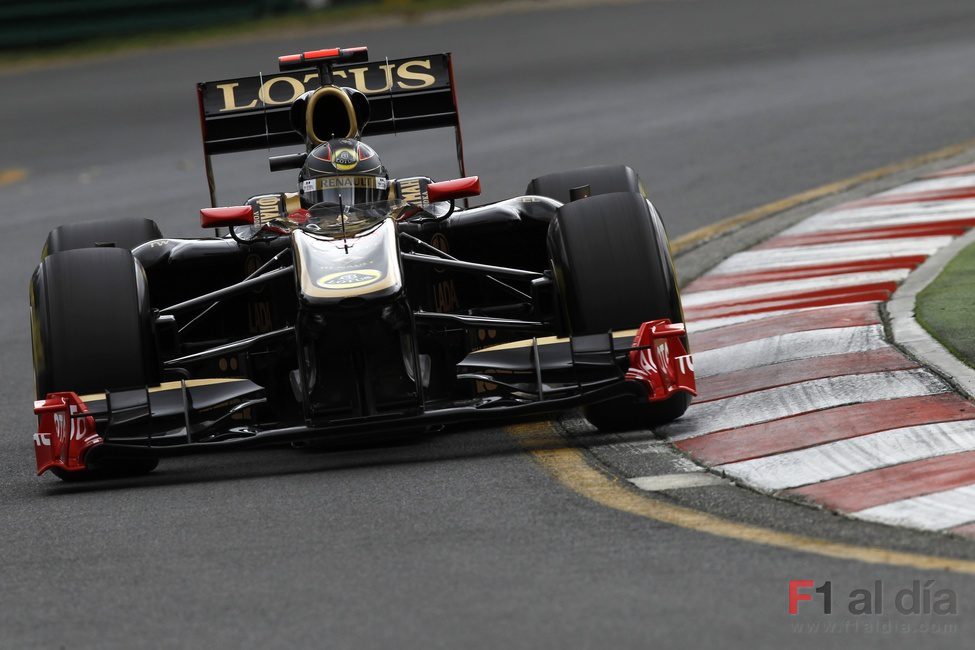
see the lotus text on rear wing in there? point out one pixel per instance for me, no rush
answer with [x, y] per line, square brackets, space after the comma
[284, 88]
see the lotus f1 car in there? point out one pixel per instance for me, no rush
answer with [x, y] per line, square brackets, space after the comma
[358, 304]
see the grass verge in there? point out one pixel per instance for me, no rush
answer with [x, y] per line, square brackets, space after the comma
[946, 307]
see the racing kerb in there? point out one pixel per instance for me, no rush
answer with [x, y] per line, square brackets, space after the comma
[801, 392]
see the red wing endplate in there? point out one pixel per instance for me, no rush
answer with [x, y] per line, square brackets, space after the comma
[660, 361]
[63, 437]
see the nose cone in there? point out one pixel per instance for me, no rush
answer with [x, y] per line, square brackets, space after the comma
[329, 272]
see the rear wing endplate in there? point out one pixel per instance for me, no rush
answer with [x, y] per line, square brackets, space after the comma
[252, 113]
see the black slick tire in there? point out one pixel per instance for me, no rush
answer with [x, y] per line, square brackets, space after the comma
[614, 272]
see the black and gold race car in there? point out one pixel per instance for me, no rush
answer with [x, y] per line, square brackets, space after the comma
[359, 303]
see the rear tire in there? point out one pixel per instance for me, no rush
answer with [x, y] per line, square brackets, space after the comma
[602, 179]
[125, 233]
[614, 272]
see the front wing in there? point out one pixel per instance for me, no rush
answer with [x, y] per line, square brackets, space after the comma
[198, 416]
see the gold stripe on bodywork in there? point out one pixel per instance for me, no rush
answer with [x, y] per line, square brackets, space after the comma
[548, 340]
[169, 385]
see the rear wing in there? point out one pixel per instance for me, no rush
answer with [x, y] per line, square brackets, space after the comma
[252, 113]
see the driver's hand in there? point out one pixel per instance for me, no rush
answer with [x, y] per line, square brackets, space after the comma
[299, 216]
[407, 212]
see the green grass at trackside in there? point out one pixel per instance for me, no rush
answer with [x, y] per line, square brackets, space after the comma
[303, 21]
[946, 308]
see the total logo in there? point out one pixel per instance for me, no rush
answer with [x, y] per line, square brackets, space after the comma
[349, 279]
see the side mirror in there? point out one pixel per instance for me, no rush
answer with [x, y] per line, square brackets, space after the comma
[459, 188]
[287, 161]
[238, 215]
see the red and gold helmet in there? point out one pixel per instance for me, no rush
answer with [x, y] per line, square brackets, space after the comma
[343, 169]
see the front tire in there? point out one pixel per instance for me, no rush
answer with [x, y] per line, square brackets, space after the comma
[90, 323]
[614, 272]
[91, 331]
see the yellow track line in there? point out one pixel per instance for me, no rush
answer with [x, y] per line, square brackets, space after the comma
[10, 176]
[569, 467]
[701, 235]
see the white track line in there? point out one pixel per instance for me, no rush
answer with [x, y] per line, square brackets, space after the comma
[753, 291]
[937, 511]
[789, 347]
[784, 401]
[833, 253]
[854, 455]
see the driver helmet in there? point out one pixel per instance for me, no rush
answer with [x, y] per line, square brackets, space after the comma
[344, 169]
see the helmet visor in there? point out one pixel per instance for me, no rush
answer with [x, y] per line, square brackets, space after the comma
[349, 190]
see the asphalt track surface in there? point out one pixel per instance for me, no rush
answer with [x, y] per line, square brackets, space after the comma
[462, 539]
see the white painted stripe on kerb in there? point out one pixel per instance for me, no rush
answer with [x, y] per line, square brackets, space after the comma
[884, 215]
[855, 455]
[764, 289]
[931, 184]
[788, 347]
[760, 260]
[937, 511]
[706, 324]
[784, 401]
[911, 219]
[677, 481]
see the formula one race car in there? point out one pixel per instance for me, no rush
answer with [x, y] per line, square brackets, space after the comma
[359, 303]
